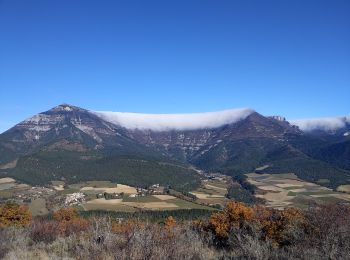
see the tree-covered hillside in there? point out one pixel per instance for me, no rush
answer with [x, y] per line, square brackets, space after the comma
[42, 167]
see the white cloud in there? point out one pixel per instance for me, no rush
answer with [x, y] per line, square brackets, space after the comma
[162, 122]
[325, 123]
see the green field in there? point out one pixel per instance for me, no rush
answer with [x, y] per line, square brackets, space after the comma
[144, 199]
[38, 207]
[183, 204]
[118, 208]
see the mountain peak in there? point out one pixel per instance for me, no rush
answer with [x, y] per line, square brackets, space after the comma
[65, 108]
[278, 118]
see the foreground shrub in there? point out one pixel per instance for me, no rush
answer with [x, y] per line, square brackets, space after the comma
[169, 223]
[235, 215]
[126, 226]
[279, 227]
[237, 232]
[70, 222]
[12, 214]
[66, 214]
[44, 230]
[14, 238]
[329, 230]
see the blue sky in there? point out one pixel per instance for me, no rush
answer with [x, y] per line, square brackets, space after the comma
[288, 57]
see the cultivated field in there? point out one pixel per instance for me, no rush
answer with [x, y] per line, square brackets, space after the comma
[7, 183]
[58, 185]
[286, 190]
[212, 192]
[151, 202]
[34, 197]
[43, 199]
[128, 202]
[344, 188]
[118, 188]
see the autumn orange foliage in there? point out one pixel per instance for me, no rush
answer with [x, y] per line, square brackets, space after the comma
[273, 225]
[235, 214]
[12, 214]
[219, 224]
[70, 221]
[276, 224]
[126, 227]
[66, 214]
[170, 222]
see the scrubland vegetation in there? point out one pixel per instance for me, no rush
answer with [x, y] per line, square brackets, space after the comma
[238, 231]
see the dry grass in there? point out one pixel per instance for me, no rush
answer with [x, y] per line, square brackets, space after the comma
[326, 237]
[147, 242]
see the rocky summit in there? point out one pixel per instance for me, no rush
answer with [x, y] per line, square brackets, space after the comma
[79, 144]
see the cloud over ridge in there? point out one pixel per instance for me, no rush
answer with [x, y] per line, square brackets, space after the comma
[164, 122]
[324, 123]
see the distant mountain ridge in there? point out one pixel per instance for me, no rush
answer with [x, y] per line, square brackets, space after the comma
[77, 144]
[180, 122]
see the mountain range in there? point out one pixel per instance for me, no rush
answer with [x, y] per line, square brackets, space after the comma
[74, 144]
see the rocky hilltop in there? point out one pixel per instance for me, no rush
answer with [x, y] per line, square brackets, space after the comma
[63, 141]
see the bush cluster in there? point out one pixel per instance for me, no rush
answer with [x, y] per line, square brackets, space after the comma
[237, 232]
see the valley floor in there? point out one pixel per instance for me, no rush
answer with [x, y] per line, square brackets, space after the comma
[287, 190]
[278, 191]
